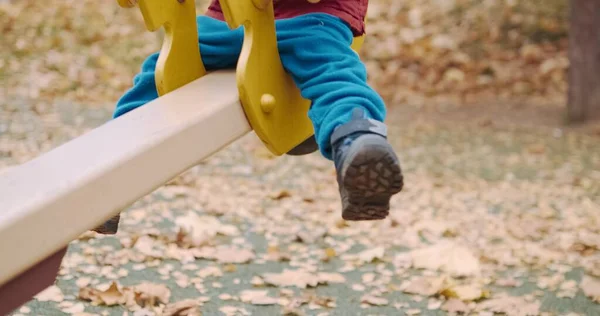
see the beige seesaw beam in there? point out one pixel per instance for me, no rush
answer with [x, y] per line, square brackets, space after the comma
[52, 199]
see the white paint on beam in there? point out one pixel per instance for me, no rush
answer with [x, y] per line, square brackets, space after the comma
[50, 200]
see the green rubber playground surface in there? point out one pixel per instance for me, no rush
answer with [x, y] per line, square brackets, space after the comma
[494, 220]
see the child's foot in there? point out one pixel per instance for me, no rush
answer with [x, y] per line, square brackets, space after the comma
[368, 170]
[308, 146]
[109, 227]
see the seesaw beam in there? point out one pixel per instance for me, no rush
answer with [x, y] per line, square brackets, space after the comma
[52, 199]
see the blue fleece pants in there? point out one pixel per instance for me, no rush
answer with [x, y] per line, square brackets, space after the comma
[314, 49]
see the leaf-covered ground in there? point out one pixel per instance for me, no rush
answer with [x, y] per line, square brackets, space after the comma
[494, 218]
[470, 49]
[499, 213]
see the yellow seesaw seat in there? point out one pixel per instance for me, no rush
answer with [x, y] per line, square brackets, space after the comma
[272, 103]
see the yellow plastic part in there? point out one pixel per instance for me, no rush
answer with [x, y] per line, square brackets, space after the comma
[272, 102]
[179, 61]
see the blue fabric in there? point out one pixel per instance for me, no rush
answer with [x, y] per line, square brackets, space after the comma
[314, 49]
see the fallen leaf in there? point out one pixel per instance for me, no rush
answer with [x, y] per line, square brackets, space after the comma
[454, 75]
[83, 282]
[329, 254]
[196, 231]
[189, 307]
[325, 277]
[228, 254]
[146, 246]
[297, 278]
[257, 281]
[468, 292]
[281, 195]
[508, 282]
[358, 287]
[371, 254]
[536, 149]
[76, 308]
[50, 294]
[310, 237]
[114, 295]
[150, 294]
[257, 297]
[374, 300]
[233, 311]
[426, 286]
[448, 257]
[591, 287]
[209, 271]
[509, 305]
[434, 304]
[454, 305]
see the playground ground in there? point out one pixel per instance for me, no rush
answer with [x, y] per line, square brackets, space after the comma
[499, 214]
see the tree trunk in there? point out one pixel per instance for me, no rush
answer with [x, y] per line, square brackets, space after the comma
[584, 57]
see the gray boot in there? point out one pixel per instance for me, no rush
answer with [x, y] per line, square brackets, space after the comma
[368, 170]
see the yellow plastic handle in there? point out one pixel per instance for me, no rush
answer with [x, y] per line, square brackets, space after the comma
[179, 61]
[272, 102]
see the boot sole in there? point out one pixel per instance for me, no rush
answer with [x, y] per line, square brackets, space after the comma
[110, 227]
[372, 176]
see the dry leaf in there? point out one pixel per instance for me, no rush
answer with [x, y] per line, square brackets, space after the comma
[197, 230]
[189, 307]
[468, 292]
[75, 309]
[454, 305]
[83, 282]
[142, 295]
[426, 286]
[209, 271]
[257, 281]
[329, 254]
[150, 294]
[517, 306]
[591, 287]
[448, 257]
[508, 282]
[233, 311]
[281, 195]
[50, 294]
[146, 246]
[114, 295]
[257, 297]
[374, 300]
[371, 254]
[297, 278]
[228, 254]
[325, 277]
[310, 237]
[434, 304]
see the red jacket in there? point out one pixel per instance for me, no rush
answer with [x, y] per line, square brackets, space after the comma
[352, 12]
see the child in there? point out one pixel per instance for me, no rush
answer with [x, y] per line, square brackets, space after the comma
[314, 40]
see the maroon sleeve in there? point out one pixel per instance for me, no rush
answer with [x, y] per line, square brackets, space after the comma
[214, 10]
[352, 12]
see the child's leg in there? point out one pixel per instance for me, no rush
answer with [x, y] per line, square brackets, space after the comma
[220, 48]
[346, 113]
